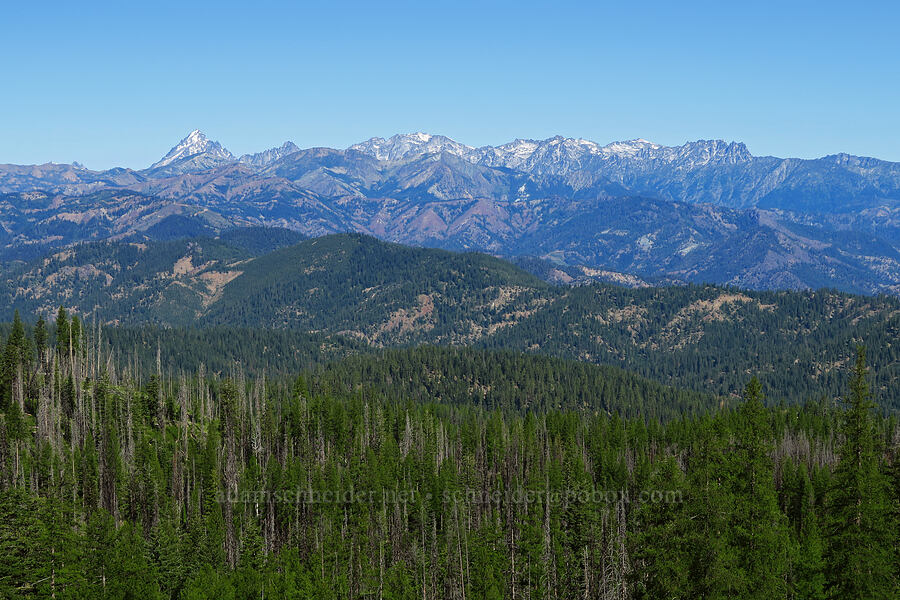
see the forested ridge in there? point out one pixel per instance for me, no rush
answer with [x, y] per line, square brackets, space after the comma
[123, 482]
[255, 297]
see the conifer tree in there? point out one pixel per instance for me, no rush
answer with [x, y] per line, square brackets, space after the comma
[895, 484]
[75, 333]
[809, 573]
[861, 528]
[40, 335]
[13, 357]
[62, 331]
[760, 534]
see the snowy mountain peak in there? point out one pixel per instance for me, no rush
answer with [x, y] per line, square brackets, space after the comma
[267, 157]
[519, 148]
[716, 151]
[408, 145]
[195, 137]
[629, 148]
[193, 144]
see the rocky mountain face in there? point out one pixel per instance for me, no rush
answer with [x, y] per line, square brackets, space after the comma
[701, 172]
[267, 157]
[194, 153]
[707, 211]
[404, 146]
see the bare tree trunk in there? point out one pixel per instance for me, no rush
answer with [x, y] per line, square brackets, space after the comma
[160, 403]
[231, 545]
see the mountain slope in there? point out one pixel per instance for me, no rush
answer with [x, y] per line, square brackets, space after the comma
[138, 281]
[382, 293]
[705, 171]
[267, 157]
[705, 338]
[710, 338]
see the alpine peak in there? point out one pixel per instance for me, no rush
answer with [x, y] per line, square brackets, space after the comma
[193, 144]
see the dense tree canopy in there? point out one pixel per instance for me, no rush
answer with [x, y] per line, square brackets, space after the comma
[380, 477]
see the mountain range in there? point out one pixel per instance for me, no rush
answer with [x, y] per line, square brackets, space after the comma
[632, 211]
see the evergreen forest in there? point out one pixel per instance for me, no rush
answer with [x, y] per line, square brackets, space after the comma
[430, 473]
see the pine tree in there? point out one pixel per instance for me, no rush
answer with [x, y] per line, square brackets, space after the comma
[13, 357]
[895, 483]
[760, 533]
[21, 567]
[62, 566]
[809, 573]
[861, 527]
[660, 540]
[75, 333]
[62, 331]
[714, 567]
[40, 339]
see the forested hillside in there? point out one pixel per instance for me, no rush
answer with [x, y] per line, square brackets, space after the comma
[116, 482]
[136, 281]
[352, 291]
[382, 293]
[710, 338]
[410, 368]
[507, 381]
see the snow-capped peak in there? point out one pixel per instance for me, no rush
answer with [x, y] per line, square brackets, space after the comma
[629, 148]
[267, 157]
[519, 148]
[407, 145]
[195, 143]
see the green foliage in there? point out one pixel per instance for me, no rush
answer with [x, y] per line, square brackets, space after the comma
[433, 473]
[354, 292]
[506, 380]
[63, 331]
[15, 354]
[862, 527]
[759, 528]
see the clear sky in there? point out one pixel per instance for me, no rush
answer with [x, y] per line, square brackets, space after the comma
[118, 84]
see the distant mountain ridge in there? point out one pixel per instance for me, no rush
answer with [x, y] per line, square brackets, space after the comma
[706, 211]
[267, 157]
[705, 171]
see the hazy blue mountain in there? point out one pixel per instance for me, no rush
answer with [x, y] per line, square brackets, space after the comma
[707, 211]
[705, 171]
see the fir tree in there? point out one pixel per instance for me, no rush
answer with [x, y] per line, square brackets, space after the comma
[62, 331]
[809, 573]
[759, 530]
[861, 528]
[40, 337]
[13, 357]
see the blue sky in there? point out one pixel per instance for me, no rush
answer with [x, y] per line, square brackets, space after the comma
[120, 83]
